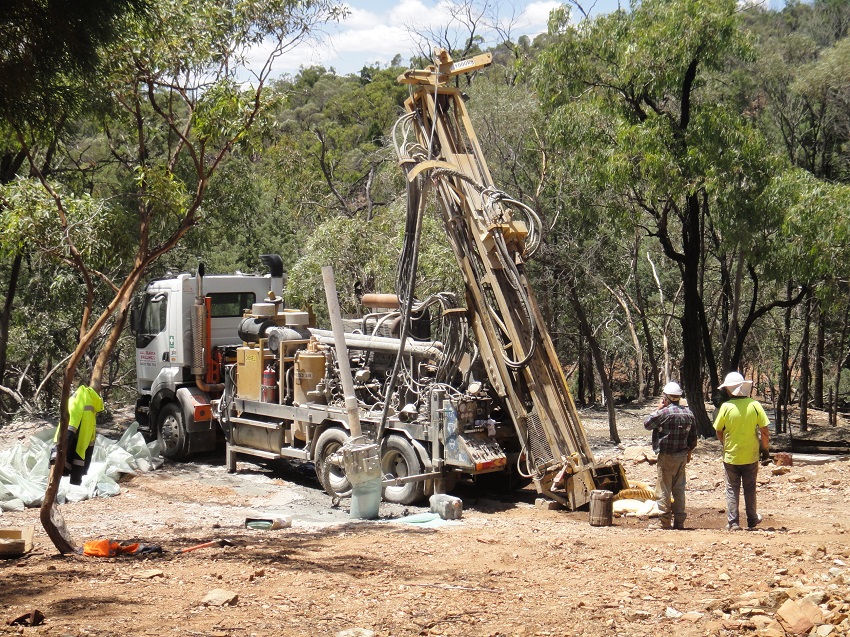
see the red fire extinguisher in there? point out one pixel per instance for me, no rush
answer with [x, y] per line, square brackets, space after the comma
[269, 392]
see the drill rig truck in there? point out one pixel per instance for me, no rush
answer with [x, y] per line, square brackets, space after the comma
[448, 390]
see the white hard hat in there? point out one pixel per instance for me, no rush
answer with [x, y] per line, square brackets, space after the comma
[672, 389]
[736, 384]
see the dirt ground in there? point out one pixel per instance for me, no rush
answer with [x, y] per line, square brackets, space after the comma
[507, 568]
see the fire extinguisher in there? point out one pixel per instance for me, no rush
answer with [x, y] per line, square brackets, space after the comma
[269, 394]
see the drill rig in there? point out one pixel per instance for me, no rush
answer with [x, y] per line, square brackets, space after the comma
[493, 237]
[447, 392]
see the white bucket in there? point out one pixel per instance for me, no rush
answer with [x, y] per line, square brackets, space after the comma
[363, 470]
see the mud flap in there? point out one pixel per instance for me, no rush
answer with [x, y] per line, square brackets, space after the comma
[428, 465]
[197, 419]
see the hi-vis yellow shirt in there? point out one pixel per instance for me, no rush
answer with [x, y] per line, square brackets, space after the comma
[740, 420]
[83, 407]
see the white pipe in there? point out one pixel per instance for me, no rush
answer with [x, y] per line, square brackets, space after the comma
[351, 405]
[433, 349]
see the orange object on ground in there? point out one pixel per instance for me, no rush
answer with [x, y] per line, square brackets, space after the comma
[108, 548]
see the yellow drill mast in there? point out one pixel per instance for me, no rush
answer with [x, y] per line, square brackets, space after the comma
[493, 237]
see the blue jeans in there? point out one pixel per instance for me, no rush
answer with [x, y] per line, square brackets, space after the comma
[671, 485]
[738, 475]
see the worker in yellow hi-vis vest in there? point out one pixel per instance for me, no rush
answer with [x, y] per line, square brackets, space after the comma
[83, 407]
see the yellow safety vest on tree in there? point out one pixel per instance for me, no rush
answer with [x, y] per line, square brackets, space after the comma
[83, 407]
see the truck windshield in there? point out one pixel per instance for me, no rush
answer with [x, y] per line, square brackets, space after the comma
[230, 304]
[152, 320]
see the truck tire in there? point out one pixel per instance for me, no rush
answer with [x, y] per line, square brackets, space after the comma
[331, 477]
[399, 460]
[171, 433]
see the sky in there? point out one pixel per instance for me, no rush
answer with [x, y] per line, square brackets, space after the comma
[377, 30]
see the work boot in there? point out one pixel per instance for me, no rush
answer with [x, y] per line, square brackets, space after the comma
[733, 527]
[752, 526]
[658, 525]
[679, 526]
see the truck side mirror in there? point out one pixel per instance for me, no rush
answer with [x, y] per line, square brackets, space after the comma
[135, 314]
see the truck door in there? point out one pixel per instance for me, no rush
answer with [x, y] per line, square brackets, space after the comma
[152, 339]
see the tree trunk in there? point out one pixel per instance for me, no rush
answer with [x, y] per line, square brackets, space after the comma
[51, 517]
[805, 370]
[692, 328]
[665, 346]
[589, 378]
[732, 327]
[839, 364]
[620, 297]
[692, 362]
[6, 317]
[820, 347]
[710, 363]
[581, 366]
[784, 371]
[654, 389]
[598, 359]
[105, 353]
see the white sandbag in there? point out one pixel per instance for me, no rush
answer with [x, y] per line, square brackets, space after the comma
[24, 469]
[22, 487]
[13, 504]
[648, 510]
[73, 492]
[622, 507]
[117, 461]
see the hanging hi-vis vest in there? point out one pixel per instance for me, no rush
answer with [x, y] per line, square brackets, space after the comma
[83, 408]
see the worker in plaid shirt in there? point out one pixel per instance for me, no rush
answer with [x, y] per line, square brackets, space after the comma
[674, 437]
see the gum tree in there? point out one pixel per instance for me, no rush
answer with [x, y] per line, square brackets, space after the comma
[49, 53]
[665, 154]
[180, 92]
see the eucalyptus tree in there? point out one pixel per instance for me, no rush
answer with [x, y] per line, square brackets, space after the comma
[796, 91]
[181, 93]
[825, 87]
[634, 84]
[814, 248]
[50, 51]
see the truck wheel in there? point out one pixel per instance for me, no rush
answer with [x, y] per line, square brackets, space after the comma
[399, 460]
[331, 477]
[171, 433]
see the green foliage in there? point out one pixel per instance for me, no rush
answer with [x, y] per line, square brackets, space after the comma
[28, 218]
[814, 241]
[49, 49]
[364, 256]
[507, 122]
[637, 114]
[244, 218]
[333, 136]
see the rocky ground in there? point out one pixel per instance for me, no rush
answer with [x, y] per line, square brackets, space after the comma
[506, 568]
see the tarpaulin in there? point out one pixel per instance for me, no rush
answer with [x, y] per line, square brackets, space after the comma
[24, 468]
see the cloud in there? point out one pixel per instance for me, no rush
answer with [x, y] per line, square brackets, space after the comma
[368, 36]
[535, 17]
[363, 38]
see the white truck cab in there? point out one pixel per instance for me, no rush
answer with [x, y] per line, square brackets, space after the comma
[179, 351]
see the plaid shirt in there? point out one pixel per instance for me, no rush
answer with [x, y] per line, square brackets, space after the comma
[674, 429]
